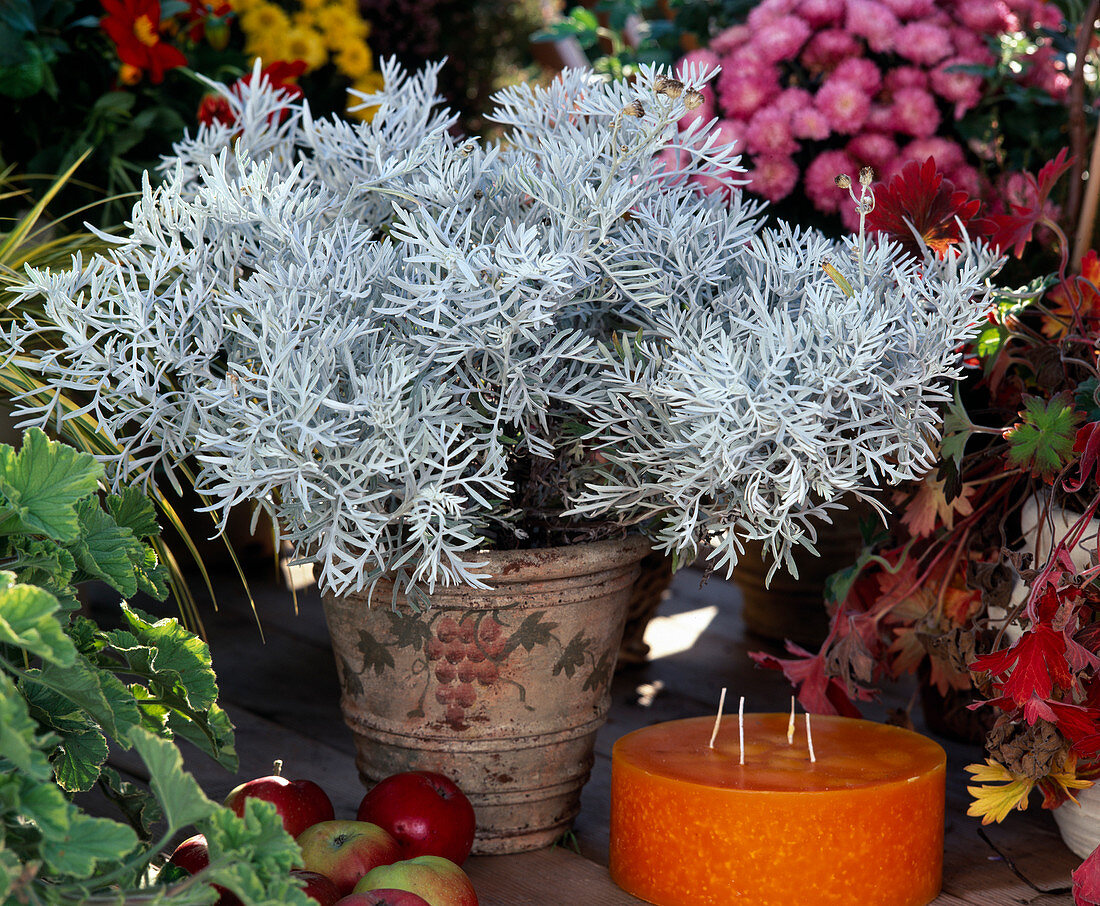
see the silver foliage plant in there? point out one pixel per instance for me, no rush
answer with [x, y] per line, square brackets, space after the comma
[361, 326]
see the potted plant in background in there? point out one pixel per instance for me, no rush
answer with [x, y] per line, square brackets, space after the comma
[442, 366]
[986, 584]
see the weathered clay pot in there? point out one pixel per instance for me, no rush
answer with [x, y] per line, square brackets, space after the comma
[501, 690]
[794, 607]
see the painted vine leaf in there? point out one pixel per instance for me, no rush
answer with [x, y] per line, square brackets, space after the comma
[533, 631]
[601, 673]
[573, 655]
[351, 683]
[376, 656]
[408, 630]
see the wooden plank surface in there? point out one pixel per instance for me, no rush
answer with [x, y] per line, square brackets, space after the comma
[282, 695]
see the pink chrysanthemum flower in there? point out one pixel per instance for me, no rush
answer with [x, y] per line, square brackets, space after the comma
[910, 9]
[781, 39]
[819, 180]
[879, 119]
[828, 48]
[768, 11]
[924, 43]
[952, 83]
[861, 72]
[769, 133]
[791, 100]
[811, 123]
[744, 90]
[731, 39]
[967, 179]
[773, 178]
[1038, 14]
[899, 77]
[820, 13]
[915, 113]
[949, 155]
[971, 44]
[874, 22]
[844, 104]
[872, 148]
[1047, 73]
[985, 16]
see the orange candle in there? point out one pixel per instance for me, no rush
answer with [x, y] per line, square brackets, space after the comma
[863, 824]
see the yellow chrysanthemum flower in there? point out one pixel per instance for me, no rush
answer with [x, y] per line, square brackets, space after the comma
[355, 60]
[304, 18]
[340, 26]
[312, 5]
[243, 6]
[306, 44]
[264, 19]
[368, 84]
[268, 48]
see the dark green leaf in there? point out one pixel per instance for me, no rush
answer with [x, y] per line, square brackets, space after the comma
[133, 510]
[1086, 399]
[409, 630]
[99, 693]
[20, 744]
[1042, 441]
[138, 807]
[572, 655]
[78, 760]
[211, 732]
[88, 841]
[957, 430]
[104, 550]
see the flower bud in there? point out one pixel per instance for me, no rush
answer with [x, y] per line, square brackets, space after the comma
[866, 176]
[693, 99]
[672, 88]
[843, 181]
[634, 108]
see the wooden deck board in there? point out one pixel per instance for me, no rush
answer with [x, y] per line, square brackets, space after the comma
[282, 696]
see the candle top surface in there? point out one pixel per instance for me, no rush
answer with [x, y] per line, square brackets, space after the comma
[851, 754]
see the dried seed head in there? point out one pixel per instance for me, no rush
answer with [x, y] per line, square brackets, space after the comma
[660, 83]
[866, 176]
[693, 99]
[672, 88]
[634, 108]
[843, 181]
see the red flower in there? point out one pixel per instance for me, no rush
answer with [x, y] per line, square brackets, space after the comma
[920, 199]
[281, 75]
[134, 26]
[209, 18]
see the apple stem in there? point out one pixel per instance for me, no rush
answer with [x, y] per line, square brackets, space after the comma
[277, 770]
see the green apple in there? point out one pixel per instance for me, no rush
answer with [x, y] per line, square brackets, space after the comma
[437, 880]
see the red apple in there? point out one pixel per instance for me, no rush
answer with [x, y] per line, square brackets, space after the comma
[425, 812]
[386, 896]
[437, 880]
[189, 858]
[317, 886]
[344, 851]
[300, 803]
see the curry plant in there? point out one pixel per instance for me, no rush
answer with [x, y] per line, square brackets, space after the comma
[409, 346]
[70, 690]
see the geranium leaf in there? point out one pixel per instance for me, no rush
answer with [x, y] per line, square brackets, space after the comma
[1032, 667]
[42, 484]
[1086, 881]
[1042, 441]
[957, 430]
[179, 794]
[1087, 443]
[28, 621]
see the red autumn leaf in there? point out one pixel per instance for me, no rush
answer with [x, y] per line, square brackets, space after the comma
[1087, 443]
[1032, 667]
[1080, 725]
[1013, 231]
[817, 692]
[1086, 881]
[920, 200]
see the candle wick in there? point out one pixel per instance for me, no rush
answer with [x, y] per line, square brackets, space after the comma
[810, 738]
[741, 728]
[790, 725]
[718, 717]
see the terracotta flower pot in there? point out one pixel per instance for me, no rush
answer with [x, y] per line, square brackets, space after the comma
[501, 690]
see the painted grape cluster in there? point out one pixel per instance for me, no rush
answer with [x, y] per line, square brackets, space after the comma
[464, 654]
